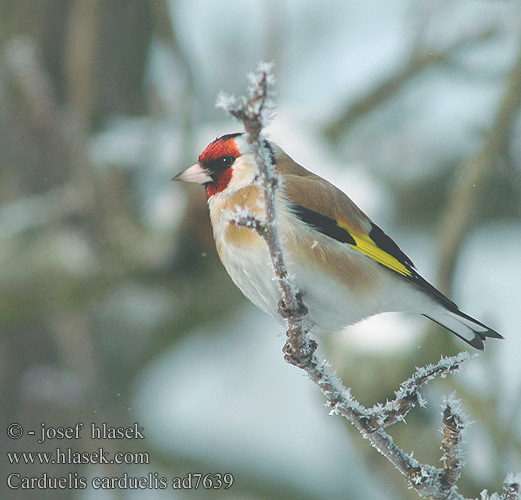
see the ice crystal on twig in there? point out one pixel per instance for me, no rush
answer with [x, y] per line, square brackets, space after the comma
[255, 112]
[455, 424]
[513, 486]
[243, 217]
[257, 109]
[408, 395]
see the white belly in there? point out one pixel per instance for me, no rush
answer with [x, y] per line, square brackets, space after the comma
[331, 305]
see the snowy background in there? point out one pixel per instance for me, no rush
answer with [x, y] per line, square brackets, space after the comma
[115, 306]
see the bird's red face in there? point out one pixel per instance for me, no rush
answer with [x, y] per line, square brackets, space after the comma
[214, 167]
[217, 159]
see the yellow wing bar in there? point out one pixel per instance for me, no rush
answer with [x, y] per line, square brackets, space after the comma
[376, 245]
[365, 245]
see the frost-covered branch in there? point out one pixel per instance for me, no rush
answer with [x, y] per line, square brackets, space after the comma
[254, 112]
[248, 220]
[512, 489]
[408, 396]
[451, 445]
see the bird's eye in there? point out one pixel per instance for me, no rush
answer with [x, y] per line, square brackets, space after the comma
[225, 161]
[219, 164]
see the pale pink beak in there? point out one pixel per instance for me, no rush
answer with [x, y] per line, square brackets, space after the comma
[195, 173]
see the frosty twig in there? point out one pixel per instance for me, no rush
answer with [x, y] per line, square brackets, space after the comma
[439, 484]
[255, 113]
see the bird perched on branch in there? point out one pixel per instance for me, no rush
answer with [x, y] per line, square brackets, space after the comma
[345, 267]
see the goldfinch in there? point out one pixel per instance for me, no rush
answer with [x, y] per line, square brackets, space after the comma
[344, 265]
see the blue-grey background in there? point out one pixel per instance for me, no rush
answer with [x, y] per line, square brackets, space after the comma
[113, 305]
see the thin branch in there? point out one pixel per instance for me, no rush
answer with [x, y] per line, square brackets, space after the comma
[472, 178]
[249, 221]
[418, 62]
[439, 484]
[408, 396]
[255, 113]
[513, 487]
[451, 444]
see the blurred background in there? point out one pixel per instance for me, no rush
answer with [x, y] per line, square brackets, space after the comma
[113, 305]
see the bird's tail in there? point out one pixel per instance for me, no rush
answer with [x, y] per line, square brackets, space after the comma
[466, 328]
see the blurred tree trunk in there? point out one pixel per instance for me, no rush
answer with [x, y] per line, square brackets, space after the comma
[95, 51]
[65, 67]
